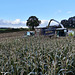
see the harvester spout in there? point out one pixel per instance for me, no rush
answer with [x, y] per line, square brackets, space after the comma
[55, 21]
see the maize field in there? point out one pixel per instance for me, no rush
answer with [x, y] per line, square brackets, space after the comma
[39, 55]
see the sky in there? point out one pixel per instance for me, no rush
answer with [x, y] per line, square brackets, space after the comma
[14, 13]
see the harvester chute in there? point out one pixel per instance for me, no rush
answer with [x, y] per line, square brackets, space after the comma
[55, 21]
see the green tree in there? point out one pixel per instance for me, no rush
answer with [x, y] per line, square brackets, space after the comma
[70, 23]
[33, 22]
[65, 23]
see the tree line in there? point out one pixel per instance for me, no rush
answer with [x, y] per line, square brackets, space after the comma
[70, 23]
[33, 22]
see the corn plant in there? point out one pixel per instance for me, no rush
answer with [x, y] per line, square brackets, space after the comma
[39, 55]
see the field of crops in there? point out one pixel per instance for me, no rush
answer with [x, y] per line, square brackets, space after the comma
[37, 56]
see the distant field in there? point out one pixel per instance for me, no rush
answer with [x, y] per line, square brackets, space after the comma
[12, 34]
[3, 29]
[8, 30]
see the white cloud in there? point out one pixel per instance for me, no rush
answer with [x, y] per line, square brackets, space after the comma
[18, 23]
[59, 11]
[69, 12]
[44, 23]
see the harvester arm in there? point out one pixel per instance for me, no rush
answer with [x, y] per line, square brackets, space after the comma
[55, 21]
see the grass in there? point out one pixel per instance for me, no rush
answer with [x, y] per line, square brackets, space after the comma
[8, 30]
[3, 29]
[37, 56]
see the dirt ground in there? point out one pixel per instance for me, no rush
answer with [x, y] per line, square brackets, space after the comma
[15, 34]
[12, 34]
